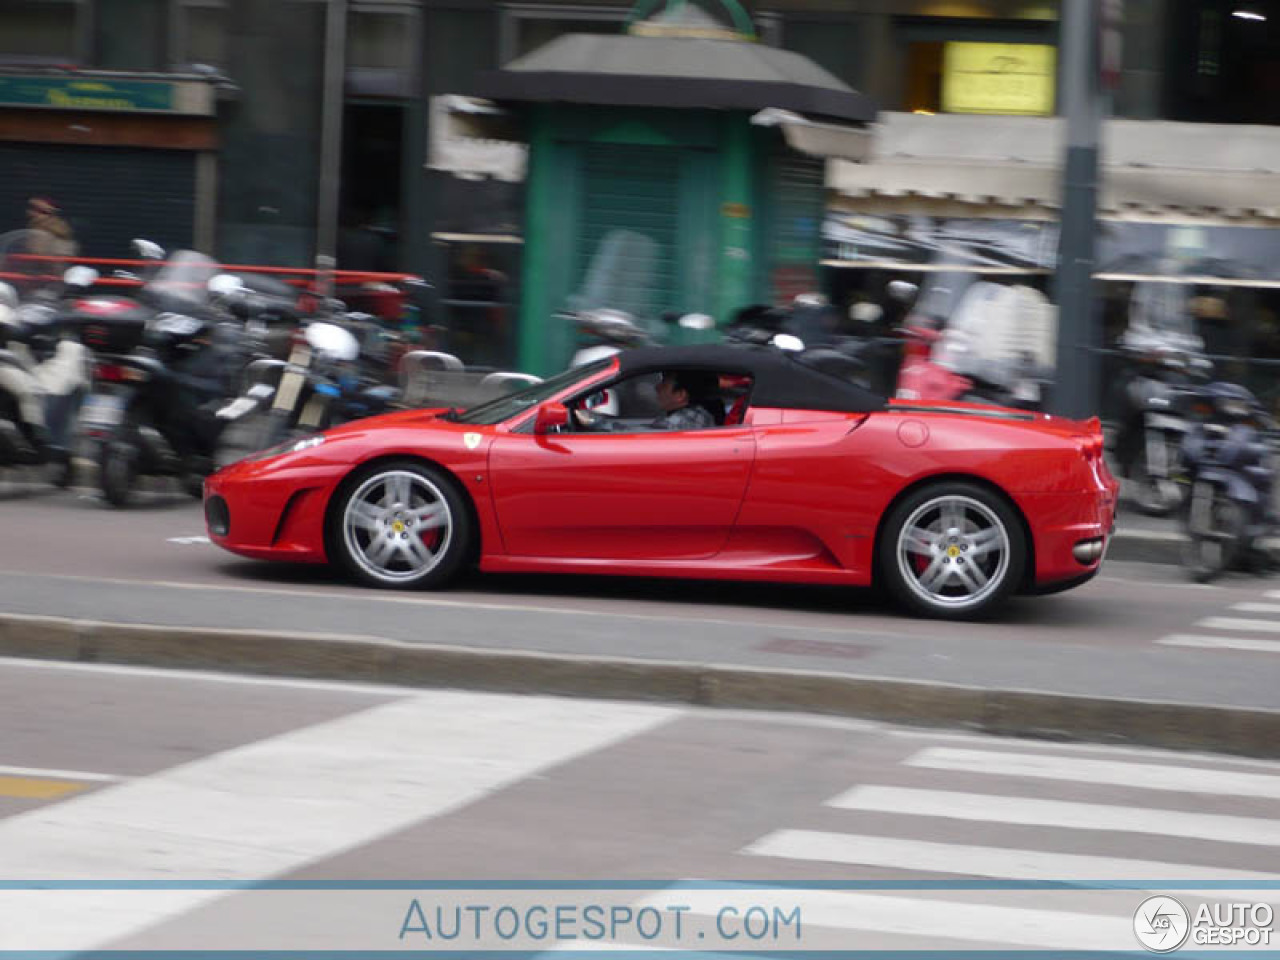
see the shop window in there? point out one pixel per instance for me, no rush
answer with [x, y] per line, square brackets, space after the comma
[43, 31]
[527, 28]
[381, 38]
[380, 50]
[200, 33]
[836, 44]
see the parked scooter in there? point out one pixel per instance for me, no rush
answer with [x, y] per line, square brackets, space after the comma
[1229, 459]
[158, 420]
[977, 342]
[44, 372]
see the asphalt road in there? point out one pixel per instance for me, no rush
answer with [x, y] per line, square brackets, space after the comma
[118, 775]
[1137, 631]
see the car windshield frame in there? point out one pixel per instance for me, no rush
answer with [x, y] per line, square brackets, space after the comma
[511, 405]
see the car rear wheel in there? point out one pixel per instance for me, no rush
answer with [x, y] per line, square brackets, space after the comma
[952, 550]
[401, 524]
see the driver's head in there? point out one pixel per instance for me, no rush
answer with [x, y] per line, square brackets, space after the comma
[679, 388]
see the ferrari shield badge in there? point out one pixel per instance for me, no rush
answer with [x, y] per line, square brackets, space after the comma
[472, 440]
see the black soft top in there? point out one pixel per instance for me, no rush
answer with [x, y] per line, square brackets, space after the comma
[780, 380]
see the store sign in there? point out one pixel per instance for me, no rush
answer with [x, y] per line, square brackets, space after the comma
[1012, 78]
[86, 93]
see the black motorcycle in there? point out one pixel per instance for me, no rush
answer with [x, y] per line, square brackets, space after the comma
[158, 418]
[1229, 460]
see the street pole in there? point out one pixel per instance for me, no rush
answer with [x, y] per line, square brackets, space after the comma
[335, 70]
[1079, 337]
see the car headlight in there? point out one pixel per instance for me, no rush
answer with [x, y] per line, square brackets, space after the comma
[289, 446]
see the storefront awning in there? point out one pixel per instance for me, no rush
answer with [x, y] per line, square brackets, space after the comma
[1146, 167]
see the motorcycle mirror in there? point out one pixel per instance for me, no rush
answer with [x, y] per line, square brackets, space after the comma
[147, 249]
[785, 341]
[80, 276]
[225, 284]
[696, 321]
[902, 290]
[550, 416]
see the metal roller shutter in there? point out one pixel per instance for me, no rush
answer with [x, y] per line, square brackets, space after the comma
[630, 223]
[795, 241]
[109, 195]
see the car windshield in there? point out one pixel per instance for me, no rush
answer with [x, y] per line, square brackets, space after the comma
[503, 408]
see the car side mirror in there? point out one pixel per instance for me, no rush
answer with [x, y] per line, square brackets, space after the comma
[550, 417]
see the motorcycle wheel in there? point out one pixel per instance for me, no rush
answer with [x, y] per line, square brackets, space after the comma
[1208, 554]
[1154, 496]
[118, 468]
[61, 472]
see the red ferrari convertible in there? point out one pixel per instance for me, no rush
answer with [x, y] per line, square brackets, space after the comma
[803, 477]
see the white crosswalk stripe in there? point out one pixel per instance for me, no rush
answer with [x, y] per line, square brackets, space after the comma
[924, 856]
[1240, 623]
[1146, 776]
[1253, 644]
[1033, 811]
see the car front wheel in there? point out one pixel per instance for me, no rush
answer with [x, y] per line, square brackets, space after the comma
[952, 550]
[401, 524]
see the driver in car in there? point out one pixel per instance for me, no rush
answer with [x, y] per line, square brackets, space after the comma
[690, 400]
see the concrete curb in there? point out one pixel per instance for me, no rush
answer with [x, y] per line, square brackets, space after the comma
[1024, 713]
[1146, 546]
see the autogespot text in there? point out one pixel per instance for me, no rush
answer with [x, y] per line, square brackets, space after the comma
[493, 926]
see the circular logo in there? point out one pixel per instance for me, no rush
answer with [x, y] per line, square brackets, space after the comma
[1161, 924]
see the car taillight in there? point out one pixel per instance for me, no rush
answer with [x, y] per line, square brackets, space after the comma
[109, 373]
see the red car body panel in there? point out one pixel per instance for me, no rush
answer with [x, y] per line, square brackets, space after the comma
[789, 495]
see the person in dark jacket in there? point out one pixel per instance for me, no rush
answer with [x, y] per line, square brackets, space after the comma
[690, 400]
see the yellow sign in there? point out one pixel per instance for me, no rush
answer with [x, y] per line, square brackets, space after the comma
[1015, 78]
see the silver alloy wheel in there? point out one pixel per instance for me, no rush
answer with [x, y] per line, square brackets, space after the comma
[397, 526]
[953, 552]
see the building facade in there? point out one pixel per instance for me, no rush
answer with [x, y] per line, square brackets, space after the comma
[288, 130]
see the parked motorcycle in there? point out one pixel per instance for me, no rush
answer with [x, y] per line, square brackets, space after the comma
[158, 418]
[1229, 458]
[321, 384]
[1156, 391]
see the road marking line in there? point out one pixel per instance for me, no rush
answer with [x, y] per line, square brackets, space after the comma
[1033, 811]
[37, 788]
[1146, 776]
[50, 773]
[976, 861]
[1223, 643]
[917, 917]
[270, 808]
[1235, 623]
